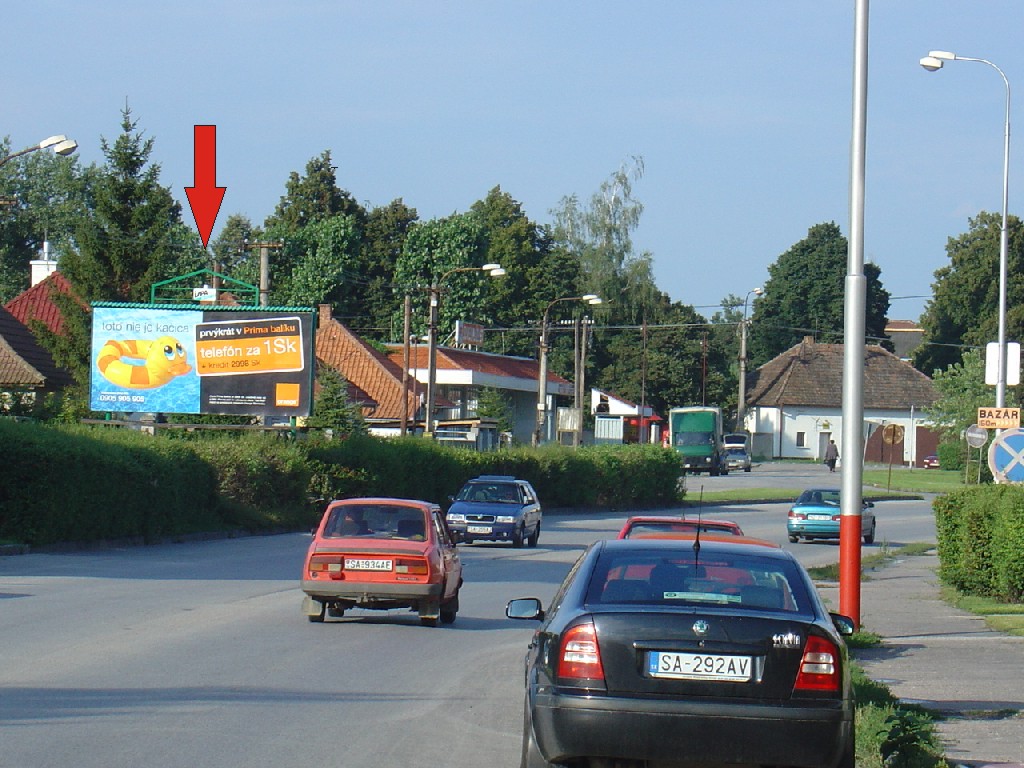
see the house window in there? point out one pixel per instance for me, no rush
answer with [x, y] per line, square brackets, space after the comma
[801, 439]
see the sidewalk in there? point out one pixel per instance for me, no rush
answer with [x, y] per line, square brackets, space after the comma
[946, 660]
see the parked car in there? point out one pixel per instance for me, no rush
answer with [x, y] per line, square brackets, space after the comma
[382, 554]
[642, 525]
[496, 508]
[931, 462]
[738, 458]
[655, 649]
[815, 515]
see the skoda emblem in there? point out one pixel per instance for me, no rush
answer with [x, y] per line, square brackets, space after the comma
[701, 627]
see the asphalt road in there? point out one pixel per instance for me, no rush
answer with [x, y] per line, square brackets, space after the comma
[197, 655]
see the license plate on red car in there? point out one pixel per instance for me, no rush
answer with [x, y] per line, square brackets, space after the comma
[699, 666]
[366, 564]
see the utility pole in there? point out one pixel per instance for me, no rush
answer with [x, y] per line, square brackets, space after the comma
[264, 248]
[407, 323]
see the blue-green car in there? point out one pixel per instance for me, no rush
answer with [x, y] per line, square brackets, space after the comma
[815, 515]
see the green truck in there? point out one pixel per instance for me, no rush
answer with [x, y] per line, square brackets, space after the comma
[695, 433]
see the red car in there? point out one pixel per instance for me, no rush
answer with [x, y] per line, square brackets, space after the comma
[642, 525]
[930, 462]
[381, 554]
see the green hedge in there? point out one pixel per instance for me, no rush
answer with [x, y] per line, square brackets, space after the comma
[980, 534]
[92, 483]
[66, 485]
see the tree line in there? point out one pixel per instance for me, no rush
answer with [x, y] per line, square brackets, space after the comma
[117, 230]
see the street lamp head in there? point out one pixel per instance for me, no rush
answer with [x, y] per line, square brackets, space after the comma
[66, 147]
[931, 63]
[591, 298]
[496, 272]
[943, 55]
[490, 267]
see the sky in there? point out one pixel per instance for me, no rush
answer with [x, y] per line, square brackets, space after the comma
[742, 111]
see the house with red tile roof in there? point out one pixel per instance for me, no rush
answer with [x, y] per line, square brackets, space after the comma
[37, 302]
[460, 374]
[794, 405]
[26, 368]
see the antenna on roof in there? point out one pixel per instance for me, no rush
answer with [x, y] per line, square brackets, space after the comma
[700, 509]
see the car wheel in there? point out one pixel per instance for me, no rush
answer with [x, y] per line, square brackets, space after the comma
[517, 538]
[869, 537]
[746, 469]
[794, 539]
[317, 618]
[535, 536]
[449, 609]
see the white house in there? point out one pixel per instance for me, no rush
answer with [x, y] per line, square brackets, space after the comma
[794, 405]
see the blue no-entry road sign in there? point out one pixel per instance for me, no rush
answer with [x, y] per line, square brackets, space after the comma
[1006, 456]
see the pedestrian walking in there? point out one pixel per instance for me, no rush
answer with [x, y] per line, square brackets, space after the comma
[831, 455]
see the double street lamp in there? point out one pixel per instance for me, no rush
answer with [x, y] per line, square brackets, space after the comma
[741, 403]
[932, 62]
[542, 372]
[61, 144]
[492, 270]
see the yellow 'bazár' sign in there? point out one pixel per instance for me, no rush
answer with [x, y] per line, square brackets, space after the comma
[999, 418]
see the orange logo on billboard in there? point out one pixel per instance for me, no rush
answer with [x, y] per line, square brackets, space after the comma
[286, 395]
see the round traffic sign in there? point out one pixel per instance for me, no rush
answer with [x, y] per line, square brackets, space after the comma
[892, 434]
[976, 436]
[1006, 456]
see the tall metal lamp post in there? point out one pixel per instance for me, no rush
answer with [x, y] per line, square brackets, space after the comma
[741, 403]
[492, 270]
[542, 372]
[932, 62]
[61, 144]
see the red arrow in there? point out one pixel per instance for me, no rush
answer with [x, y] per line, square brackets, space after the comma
[205, 197]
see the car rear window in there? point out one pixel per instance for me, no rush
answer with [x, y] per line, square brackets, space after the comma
[819, 497]
[378, 521]
[730, 580]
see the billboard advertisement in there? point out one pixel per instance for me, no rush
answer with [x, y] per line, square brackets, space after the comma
[215, 361]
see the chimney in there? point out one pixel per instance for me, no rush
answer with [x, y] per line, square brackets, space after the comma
[324, 314]
[44, 267]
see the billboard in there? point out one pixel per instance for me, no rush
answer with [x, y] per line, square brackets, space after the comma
[217, 361]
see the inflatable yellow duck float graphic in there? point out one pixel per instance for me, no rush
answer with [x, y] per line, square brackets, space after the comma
[162, 360]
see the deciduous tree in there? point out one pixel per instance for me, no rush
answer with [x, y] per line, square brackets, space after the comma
[805, 295]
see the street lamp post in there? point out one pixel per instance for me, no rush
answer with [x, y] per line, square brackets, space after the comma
[61, 144]
[492, 270]
[741, 403]
[542, 371]
[932, 62]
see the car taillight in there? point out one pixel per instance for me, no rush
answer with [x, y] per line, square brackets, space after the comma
[797, 515]
[414, 566]
[326, 564]
[819, 667]
[579, 657]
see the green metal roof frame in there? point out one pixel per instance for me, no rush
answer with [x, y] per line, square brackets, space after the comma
[227, 283]
[203, 307]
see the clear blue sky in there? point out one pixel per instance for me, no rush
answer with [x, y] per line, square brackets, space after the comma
[742, 112]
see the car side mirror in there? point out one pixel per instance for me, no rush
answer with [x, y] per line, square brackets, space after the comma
[844, 624]
[525, 608]
[869, 504]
